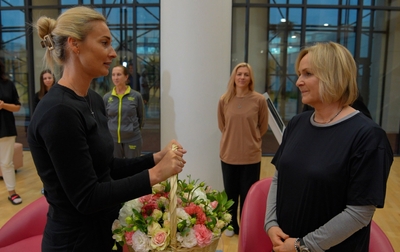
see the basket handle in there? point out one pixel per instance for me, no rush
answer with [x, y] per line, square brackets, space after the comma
[172, 205]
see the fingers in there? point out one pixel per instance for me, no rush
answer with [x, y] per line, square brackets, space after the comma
[177, 146]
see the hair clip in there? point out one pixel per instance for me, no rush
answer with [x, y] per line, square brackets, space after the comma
[46, 42]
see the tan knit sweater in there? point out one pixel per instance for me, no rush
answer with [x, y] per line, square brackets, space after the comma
[243, 121]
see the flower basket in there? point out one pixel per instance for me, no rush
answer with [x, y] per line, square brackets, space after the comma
[179, 216]
[210, 248]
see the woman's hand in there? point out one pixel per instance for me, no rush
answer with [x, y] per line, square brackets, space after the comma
[287, 246]
[159, 155]
[278, 239]
[169, 161]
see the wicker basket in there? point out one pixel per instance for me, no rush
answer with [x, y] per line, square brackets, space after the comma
[212, 247]
[174, 247]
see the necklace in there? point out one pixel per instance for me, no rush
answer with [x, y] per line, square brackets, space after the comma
[241, 98]
[330, 120]
[89, 103]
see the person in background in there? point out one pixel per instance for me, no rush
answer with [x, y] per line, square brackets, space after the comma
[47, 80]
[134, 84]
[242, 120]
[125, 111]
[71, 144]
[332, 165]
[9, 103]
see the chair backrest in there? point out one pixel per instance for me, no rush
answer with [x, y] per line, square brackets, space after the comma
[28, 222]
[252, 236]
[378, 240]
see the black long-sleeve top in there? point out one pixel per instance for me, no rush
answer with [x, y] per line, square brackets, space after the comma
[84, 184]
[8, 94]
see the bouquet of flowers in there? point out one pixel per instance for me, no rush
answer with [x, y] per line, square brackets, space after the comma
[198, 217]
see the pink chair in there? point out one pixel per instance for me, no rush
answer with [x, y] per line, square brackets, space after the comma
[378, 240]
[252, 236]
[24, 231]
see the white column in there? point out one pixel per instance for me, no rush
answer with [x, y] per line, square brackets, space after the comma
[195, 69]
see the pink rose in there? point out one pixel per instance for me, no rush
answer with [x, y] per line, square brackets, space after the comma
[160, 240]
[214, 204]
[203, 235]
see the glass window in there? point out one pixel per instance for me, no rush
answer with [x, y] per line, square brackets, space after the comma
[284, 45]
[12, 3]
[258, 47]
[351, 2]
[380, 20]
[377, 2]
[68, 2]
[277, 16]
[325, 2]
[148, 1]
[238, 36]
[118, 1]
[348, 17]
[14, 56]
[42, 2]
[285, 1]
[320, 18]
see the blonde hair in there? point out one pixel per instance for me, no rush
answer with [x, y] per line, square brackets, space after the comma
[231, 90]
[74, 23]
[336, 70]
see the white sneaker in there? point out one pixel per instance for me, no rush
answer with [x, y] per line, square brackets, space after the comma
[229, 233]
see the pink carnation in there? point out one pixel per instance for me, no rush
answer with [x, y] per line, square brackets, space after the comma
[203, 235]
[128, 237]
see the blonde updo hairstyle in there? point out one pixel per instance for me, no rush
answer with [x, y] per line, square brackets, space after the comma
[336, 70]
[74, 23]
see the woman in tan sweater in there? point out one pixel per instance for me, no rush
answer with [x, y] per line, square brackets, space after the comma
[243, 120]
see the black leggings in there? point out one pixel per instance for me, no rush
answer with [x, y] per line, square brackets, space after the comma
[237, 181]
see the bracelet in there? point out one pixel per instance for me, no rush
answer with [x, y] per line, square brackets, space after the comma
[297, 245]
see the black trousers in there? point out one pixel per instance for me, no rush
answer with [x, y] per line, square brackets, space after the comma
[237, 181]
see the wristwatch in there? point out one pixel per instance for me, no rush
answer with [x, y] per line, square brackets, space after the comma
[300, 246]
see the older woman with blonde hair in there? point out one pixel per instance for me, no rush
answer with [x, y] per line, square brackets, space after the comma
[333, 163]
[242, 120]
